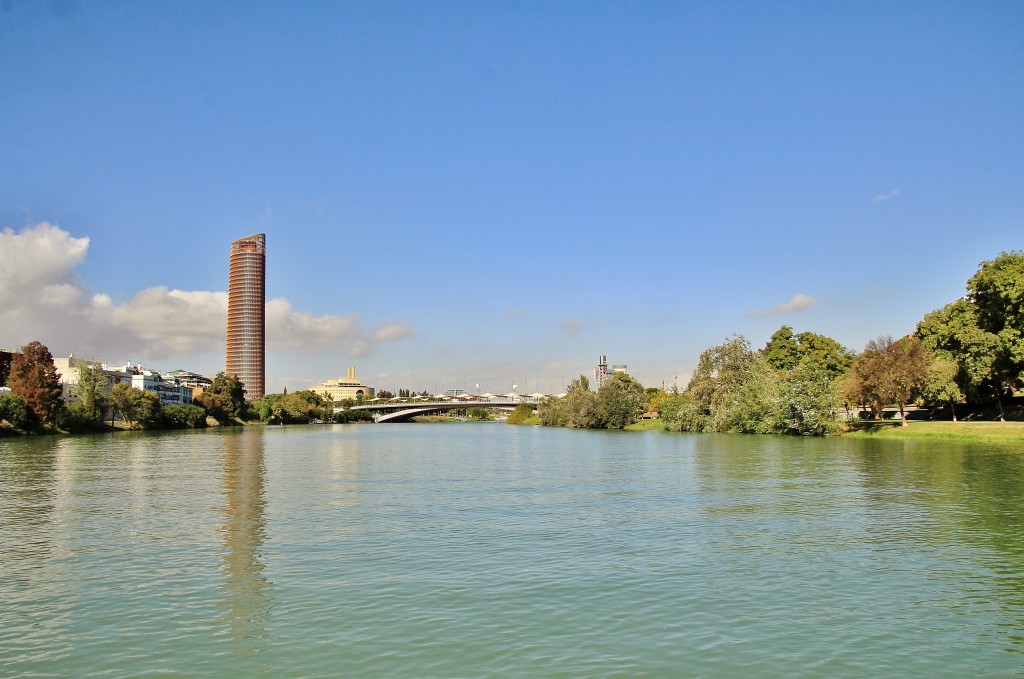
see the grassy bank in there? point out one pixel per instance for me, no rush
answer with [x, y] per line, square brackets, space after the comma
[1007, 432]
[646, 425]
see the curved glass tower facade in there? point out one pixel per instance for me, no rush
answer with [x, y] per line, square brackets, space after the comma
[247, 321]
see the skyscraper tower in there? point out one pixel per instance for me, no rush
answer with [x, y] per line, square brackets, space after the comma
[247, 321]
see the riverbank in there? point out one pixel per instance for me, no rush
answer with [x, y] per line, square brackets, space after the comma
[1005, 432]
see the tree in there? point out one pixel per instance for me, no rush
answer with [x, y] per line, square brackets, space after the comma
[941, 385]
[824, 353]
[810, 401]
[230, 387]
[782, 351]
[620, 401]
[33, 378]
[953, 334]
[184, 416]
[735, 389]
[581, 407]
[216, 406]
[16, 414]
[90, 388]
[889, 372]
[997, 292]
[521, 413]
[785, 351]
[551, 412]
[732, 389]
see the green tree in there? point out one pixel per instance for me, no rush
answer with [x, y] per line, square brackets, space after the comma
[551, 412]
[620, 401]
[581, 407]
[810, 401]
[825, 354]
[33, 378]
[782, 351]
[732, 389]
[216, 406]
[90, 389]
[478, 414]
[230, 387]
[184, 416]
[785, 351]
[941, 385]
[16, 414]
[522, 413]
[997, 292]
[953, 334]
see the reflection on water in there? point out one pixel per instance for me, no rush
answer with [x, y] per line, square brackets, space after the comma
[34, 611]
[487, 550]
[247, 592]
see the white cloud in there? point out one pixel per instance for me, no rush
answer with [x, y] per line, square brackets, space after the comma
[38, 258]
[42, 298]
[392, 332]
[885, 196]
[514, 314]
[799, 302]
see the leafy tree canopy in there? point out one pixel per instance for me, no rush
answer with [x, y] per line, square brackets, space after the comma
[33, 378]
[785, 351]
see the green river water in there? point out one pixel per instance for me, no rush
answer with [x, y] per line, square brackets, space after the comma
[489, 550]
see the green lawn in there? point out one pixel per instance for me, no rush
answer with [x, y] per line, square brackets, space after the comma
[647, 425]
[1009, 432]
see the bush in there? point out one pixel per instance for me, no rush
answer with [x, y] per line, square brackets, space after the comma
[552, 413]
[621, 401]
[16, 413]
[521, 414]
[75, 419]
[184, 417]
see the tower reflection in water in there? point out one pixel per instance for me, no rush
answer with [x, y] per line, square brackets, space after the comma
[248, 594]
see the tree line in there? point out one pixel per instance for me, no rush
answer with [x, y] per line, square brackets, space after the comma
[970, 351]
[36, 402]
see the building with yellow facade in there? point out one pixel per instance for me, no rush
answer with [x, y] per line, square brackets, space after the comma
[348, 387]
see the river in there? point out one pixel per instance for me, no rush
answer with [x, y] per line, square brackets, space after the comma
[491, 550]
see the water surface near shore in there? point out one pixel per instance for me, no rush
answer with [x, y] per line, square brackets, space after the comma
[481, 549]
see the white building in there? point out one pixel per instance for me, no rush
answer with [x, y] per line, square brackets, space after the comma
[169, 391]
[67, 372]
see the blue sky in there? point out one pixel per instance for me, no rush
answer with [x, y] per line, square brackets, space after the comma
[458, 193]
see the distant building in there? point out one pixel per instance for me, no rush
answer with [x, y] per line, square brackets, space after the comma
[190, 379]
[6, 357]
[67, 372]
[348, 387]
[601, 372]
[247, 322]
[169, 390]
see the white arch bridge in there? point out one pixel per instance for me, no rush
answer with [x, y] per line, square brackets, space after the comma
[405, 411]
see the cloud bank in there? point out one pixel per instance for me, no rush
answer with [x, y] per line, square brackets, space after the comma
[41, 297]
[799, 302]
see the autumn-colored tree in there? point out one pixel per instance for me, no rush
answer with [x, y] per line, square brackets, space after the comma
[889, 372]
[34, 379]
